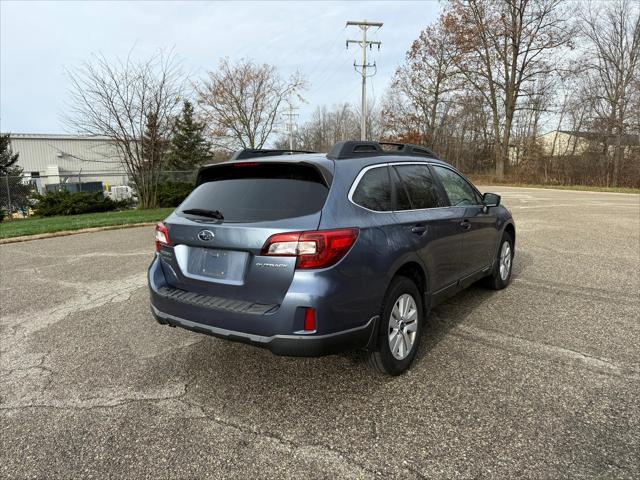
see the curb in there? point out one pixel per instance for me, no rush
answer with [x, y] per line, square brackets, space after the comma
[571, 190]
[64, 233]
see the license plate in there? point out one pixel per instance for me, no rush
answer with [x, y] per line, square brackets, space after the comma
[210, 263]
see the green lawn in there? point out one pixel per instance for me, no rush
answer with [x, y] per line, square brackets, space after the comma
[33, 226]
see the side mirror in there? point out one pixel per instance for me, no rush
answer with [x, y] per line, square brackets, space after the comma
[491, 200]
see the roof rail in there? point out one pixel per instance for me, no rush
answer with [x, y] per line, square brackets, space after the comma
[255, 152]
[357, 149]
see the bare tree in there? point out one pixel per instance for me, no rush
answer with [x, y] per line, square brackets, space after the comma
[243, 101]
[480, 85]
[419, 87]
[122, 100]
[328, 126]
[612, 61]
[430, 102]
[499, 47]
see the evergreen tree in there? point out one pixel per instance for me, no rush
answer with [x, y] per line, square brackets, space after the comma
[154, 144]
[153, 150]
[14, 194]
[7, 157]
[189, 148]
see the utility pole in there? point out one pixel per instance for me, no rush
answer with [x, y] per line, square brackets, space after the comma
[290, 123]
[364, 43]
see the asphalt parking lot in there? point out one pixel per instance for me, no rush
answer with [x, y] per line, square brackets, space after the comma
[541, 380]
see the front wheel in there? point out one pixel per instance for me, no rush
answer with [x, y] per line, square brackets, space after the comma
[399, 328]
[501, 274]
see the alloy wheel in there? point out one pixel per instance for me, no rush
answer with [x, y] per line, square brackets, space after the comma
[403, 326]
[505, 261]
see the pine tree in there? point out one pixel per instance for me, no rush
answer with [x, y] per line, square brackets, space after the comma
[14, 194]
[189, 148]
[7, 157]
[154, 146]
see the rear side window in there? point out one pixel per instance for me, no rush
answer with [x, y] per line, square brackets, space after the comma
[402, 198]
[419, 185]
[458, 189]
[374, 190]
[257, 192]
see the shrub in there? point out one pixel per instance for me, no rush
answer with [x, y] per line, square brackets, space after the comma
[3, 214]
[171, 194]
[67, 203]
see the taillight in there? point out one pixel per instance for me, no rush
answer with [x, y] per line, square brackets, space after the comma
[162, 236]
[314, 249]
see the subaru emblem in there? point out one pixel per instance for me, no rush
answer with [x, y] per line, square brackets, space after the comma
[206, 235]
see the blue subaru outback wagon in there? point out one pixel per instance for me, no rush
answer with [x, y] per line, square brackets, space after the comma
[309, 254]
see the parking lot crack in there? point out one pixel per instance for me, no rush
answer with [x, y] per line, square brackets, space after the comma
[304, 446]
[596, 294]
[99, 402]
[549, 351]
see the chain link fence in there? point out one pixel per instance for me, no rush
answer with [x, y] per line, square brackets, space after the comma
[15, 195]
[18, 193]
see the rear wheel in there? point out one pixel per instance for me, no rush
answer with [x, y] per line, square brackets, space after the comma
[501, 274]
[399, 328]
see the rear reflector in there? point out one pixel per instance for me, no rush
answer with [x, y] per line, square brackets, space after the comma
[162, 236]
[310, 319]
[313, 249]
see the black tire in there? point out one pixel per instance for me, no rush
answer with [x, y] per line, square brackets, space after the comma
[382, 359]
[495, 281]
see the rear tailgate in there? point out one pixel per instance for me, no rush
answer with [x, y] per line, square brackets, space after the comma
[221, 257]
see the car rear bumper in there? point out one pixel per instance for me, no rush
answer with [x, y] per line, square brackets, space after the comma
[289, 345]
[278, 328]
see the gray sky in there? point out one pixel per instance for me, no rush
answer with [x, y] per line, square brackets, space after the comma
[38, 40]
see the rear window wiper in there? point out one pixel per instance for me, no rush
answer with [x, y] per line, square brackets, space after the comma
[201, 212]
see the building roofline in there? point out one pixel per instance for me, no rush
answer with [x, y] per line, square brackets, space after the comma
[56, 136]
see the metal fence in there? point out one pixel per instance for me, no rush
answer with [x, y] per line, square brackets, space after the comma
[18, 193]
[15, 195]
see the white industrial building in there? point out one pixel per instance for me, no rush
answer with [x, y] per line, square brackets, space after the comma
[52, 159]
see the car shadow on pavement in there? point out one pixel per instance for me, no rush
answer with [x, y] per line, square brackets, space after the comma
[464, 304]
[224, 368]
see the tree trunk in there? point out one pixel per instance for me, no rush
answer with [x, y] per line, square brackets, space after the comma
[499, 161]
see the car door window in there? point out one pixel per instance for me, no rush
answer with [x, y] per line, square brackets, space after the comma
[458, 189]
[419, 185]
[374, 190]
[399, 192]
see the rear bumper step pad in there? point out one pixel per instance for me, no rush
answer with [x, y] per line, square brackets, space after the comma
[208, 301]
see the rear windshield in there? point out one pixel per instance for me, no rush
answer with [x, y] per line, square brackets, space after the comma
[256, 192]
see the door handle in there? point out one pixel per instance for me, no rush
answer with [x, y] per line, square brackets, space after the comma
[419, 229]
[465, 224]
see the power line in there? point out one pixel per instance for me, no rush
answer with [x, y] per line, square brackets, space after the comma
[364, 43]
[322, 62]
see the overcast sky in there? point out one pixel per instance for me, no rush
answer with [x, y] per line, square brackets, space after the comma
[39, 40]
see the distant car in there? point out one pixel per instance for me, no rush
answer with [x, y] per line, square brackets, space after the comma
[309, 254]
